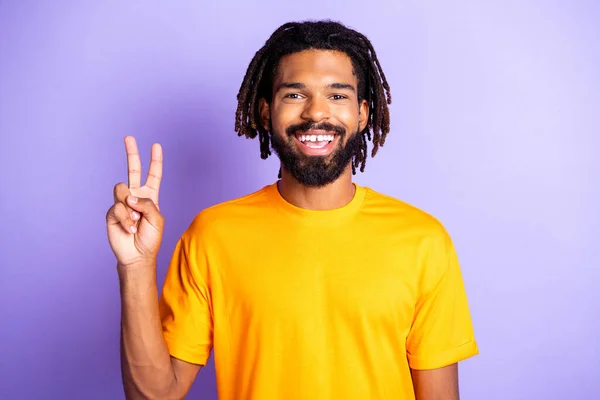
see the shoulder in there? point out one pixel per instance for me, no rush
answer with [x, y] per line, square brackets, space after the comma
[228, 213]
[418, 229]
[407, 216]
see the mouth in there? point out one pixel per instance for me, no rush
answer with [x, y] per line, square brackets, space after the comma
[316, 142]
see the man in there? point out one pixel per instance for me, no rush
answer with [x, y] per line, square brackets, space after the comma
[312, 287]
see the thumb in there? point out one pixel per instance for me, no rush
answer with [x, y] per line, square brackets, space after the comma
[147, 208]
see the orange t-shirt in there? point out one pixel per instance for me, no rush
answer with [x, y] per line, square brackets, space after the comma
[302, 304]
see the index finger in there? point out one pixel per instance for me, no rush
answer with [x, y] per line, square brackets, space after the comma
[155, 171]
[134, 165]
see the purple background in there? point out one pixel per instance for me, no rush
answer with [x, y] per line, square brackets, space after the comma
[495, 126]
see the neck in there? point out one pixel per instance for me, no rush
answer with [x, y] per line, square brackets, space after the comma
[334, 195]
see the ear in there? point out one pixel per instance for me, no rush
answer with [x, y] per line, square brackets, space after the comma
[363, 115]
[265, 114]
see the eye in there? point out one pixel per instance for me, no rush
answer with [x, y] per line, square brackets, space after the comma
[292, 96]
[338, 97]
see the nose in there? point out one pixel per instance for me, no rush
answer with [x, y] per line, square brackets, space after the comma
[316, 109]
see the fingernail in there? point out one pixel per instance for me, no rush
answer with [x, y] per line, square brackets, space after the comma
[134, 216]
[132, 229]
[133, 199]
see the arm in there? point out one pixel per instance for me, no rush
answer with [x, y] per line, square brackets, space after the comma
[134, 228]
[149, 372]
[442, 332]
[436, 384]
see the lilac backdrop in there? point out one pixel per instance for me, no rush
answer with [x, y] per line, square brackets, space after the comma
[494, 130]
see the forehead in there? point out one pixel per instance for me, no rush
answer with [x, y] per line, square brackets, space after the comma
[316, 67]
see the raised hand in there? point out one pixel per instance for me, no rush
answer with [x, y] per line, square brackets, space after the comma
[134, 224]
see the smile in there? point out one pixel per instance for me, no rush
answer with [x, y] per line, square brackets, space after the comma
[320, 143]
[315, 141]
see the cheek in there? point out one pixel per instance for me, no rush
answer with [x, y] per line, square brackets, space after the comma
[348, 115]
[281, 117]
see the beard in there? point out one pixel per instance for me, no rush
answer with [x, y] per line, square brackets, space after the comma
[315, 171]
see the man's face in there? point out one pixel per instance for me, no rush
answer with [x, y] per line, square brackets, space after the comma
[314, 116]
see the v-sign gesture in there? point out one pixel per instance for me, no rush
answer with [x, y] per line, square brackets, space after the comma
[134, 224]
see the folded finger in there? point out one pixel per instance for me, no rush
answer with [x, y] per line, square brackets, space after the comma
[147, 209]
[120, 192]
[124, 218]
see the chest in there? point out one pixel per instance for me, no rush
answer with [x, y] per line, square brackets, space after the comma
[317, 280]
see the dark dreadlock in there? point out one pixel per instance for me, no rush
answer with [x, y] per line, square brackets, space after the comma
[294, 37]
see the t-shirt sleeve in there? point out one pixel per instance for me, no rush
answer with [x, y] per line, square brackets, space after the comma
[185, 304]
[442, 332]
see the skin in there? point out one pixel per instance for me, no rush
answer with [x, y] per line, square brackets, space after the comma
[317, 101]
[134, 227]
[436, 384]
[312, 85]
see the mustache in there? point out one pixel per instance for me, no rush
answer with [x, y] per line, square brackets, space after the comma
[310, 125]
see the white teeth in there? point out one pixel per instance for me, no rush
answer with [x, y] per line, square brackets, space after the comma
[315, 138]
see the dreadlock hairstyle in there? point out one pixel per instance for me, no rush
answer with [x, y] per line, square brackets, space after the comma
[294, 37]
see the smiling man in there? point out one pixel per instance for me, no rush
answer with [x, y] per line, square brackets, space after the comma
[312, 287]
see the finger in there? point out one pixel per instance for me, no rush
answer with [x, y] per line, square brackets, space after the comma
[118, 214]
[134, 165]
[120, 193]
[148, 209]
[155, 171]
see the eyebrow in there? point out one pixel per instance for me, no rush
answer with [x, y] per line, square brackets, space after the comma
[298, 85]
